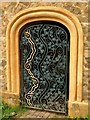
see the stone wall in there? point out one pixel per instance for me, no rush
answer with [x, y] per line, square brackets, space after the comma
[80, 9]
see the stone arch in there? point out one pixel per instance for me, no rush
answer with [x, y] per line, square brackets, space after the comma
[76, 47]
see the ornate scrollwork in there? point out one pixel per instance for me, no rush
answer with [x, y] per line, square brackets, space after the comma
[44, 56]
[27, 66]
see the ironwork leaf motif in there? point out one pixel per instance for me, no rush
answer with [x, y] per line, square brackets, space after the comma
[44, 59]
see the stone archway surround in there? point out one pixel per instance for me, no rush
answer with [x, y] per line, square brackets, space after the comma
[76, 50]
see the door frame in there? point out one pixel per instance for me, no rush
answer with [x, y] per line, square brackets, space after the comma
[62, 16]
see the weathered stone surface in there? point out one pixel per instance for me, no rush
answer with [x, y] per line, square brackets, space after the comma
[83, 18]
[80, 9]
[11, 99]
[73, 9]
[3, 63]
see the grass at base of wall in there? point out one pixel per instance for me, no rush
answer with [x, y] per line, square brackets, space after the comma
[8, 112]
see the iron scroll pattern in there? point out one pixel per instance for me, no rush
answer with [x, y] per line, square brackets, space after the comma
[44, 66]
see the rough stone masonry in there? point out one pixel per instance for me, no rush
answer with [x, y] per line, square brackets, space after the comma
[80, 9]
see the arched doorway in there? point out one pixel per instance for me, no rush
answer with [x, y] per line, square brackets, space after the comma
[44, 59]
[62, 16]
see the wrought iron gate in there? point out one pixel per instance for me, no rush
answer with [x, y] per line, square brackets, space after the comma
[44, 59]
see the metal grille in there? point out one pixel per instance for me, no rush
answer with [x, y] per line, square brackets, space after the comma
[44, 62]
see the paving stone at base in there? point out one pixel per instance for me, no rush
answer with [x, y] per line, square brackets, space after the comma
[37, 113]
[41, 114]
[59, 116]
[51, 115]
[46, 115]
[28, 114]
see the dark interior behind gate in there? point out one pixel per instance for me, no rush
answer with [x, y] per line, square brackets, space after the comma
[44, 65]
